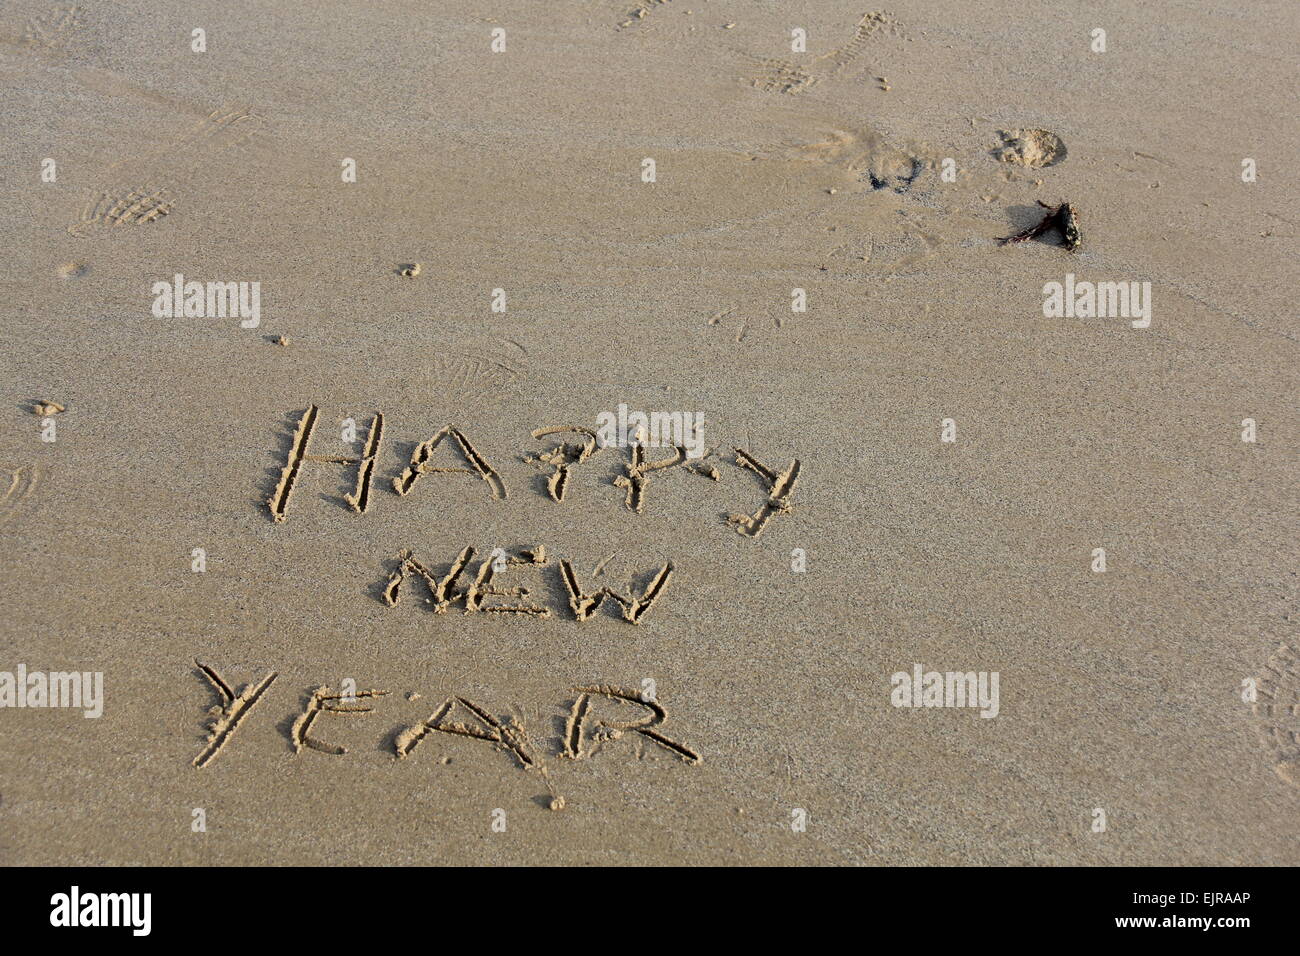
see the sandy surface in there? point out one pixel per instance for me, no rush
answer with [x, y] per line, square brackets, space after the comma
[1120, 690]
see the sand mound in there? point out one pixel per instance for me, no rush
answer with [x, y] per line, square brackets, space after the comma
[1030, 147]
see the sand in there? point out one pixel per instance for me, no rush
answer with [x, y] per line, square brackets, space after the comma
[702, 668]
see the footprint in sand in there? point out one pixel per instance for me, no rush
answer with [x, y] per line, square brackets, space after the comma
[72, 270]
[142, 189]
[786, 76]
[1030, 147]
[871, 27]
[15, 486]
[123, 206]
[781, 76]
[866, 155]
[1277, 708]
[52, 30]
[464, 376]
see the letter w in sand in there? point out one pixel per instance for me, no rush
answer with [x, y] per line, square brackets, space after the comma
[585, 604]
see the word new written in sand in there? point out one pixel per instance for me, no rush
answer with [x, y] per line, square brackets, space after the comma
[478, 589]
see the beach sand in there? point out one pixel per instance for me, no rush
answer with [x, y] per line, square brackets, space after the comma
[875, 171]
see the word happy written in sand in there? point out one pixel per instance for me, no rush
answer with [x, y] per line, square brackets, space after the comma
[572, 446]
